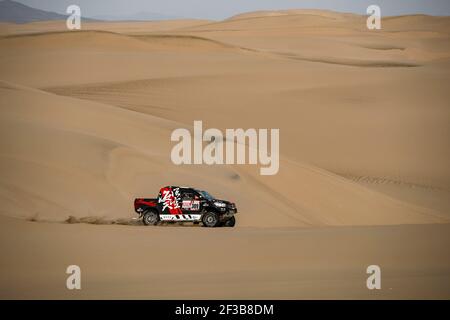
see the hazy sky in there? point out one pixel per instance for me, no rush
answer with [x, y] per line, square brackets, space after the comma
[219, 9]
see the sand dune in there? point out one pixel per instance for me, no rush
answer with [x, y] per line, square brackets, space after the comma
[143, 27]
[103, 40]
[112, 150]
[86, 118]
[153, 96]
[313, 32]
[351, 62]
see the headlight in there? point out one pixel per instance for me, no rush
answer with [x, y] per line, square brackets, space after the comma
[220, 204]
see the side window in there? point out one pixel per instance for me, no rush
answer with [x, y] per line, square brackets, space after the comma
[188, 196]
[197, 196]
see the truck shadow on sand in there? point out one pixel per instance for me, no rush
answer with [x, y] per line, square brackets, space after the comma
[109, 221]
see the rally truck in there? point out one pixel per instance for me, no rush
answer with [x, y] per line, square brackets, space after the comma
[186, 204]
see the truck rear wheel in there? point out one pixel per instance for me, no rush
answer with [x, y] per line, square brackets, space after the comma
[210, 220]
[150, 218]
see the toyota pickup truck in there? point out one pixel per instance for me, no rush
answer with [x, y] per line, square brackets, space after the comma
[186, 204]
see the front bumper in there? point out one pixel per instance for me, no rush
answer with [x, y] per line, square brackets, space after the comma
[226, 216]
[227, 210]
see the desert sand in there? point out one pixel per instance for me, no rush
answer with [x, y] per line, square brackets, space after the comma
[364, 120]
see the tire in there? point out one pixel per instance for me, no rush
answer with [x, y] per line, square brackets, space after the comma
[210, 219]
[230, 222]
[150, 218]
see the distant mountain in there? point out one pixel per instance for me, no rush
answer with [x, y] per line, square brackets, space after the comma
[11, 11]
[140, 16]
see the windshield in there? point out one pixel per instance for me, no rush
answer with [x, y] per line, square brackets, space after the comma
[206, 195]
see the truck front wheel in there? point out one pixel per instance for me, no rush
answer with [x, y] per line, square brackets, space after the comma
[210, 220]
[150, 218]
[230, 222]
